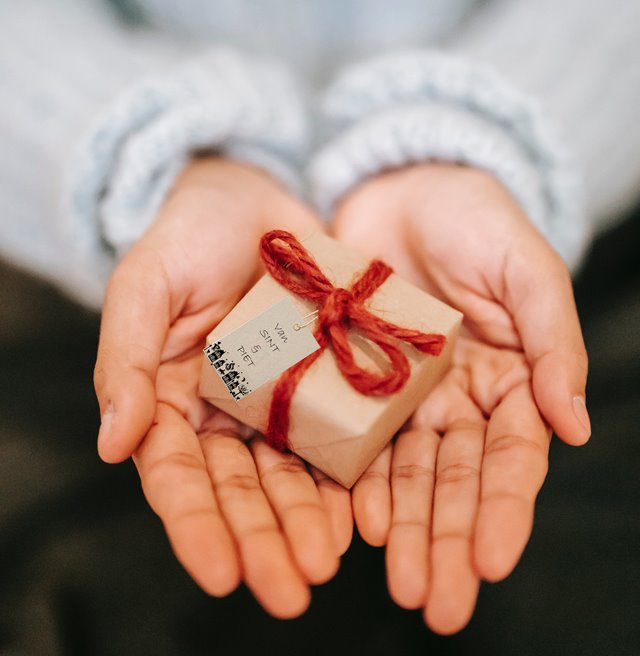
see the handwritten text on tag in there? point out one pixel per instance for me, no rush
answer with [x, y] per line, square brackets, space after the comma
[261, 349]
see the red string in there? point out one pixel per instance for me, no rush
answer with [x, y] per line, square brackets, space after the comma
[339, 310]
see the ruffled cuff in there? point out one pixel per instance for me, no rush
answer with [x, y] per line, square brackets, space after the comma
[412, 107]
[223, 102]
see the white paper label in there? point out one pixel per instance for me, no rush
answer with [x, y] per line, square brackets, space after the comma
[261, 349]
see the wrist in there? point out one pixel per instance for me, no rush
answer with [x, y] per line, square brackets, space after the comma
[212, 189]
[211, 171]
[419, 182]
[233, 188]
[418, 202]
[440, 189]
[411, 191]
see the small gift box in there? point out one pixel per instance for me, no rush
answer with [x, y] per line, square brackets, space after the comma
[328, 354]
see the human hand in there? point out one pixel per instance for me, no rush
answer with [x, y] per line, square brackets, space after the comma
[232, 509]
[456, 233]
[453, 497]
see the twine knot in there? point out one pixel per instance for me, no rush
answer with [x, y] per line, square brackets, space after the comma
[336, 309]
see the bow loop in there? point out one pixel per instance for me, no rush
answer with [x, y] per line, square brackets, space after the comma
[292, 266]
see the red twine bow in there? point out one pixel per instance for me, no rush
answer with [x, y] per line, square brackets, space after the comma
[338, 310]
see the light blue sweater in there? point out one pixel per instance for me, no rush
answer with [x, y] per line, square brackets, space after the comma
[101, 104]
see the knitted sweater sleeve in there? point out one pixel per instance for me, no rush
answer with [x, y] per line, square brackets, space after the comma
[496, 96]
[97, 119]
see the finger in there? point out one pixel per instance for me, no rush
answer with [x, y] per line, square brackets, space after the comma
[177, 486]
[296, 502]
[541, 298]
[412, 479]
[268, 566]
[513, 470]
[454, 582]
[450, 399]
[371, 500]
[135, 320]
[337, 502]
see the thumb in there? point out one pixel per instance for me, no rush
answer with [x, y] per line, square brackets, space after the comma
[546, 317]
[135, 321]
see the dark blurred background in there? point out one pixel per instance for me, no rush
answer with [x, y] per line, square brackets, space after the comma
[85, 567]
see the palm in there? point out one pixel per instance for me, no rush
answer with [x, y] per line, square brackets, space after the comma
[444, 250]
[233, 509]
[458, 234]
[453, 497]
[487, 447]
[224, 502]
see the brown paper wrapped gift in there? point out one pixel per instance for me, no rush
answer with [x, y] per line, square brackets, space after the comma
[332, 426]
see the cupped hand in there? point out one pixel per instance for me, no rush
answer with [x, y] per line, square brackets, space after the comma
[233, 508]
[453, 497]
[457, 232]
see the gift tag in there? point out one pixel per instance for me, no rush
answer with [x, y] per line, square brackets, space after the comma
[262, 348]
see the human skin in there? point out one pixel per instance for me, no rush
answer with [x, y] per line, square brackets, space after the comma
[233, 508]
[453, 497]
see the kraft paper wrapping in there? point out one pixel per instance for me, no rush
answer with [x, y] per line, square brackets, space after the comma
[332, 426]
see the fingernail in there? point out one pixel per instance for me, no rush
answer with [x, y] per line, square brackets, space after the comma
[106, 423]
[580, 411]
